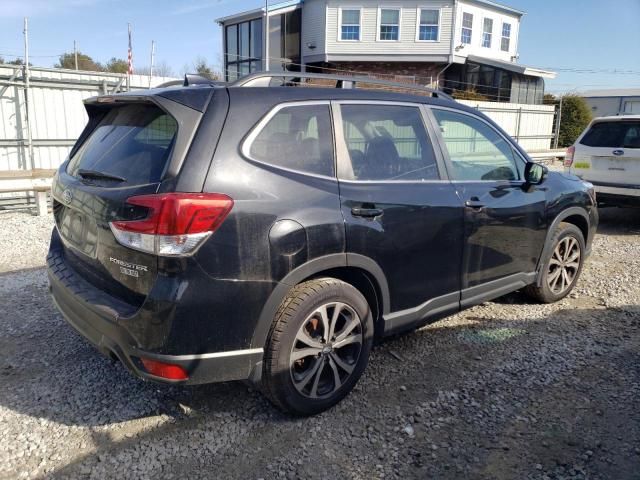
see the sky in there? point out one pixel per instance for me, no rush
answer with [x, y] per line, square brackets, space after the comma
[590, 43]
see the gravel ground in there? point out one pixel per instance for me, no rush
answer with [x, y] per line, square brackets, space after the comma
[508, 389]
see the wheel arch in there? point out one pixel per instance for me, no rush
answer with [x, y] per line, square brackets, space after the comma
[360, 271]
[577, 216]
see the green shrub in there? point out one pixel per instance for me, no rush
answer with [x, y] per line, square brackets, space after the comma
[469, 95]
[576, 115]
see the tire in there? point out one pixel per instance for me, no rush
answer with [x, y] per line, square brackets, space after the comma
[299, 342]
[552, 284]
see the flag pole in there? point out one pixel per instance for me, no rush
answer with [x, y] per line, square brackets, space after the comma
[153, 54]
[266, 36]
[129, 59]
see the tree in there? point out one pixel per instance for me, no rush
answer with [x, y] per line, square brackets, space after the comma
[163, 69]
[117, 65]
[18, 61]
[201, 67]
[85, 62]
[575, 117]
[550, 99]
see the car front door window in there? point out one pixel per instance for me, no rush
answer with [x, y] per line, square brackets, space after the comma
[476, 151]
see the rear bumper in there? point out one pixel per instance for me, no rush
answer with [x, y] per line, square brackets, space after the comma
[616, 194]
[98, 322]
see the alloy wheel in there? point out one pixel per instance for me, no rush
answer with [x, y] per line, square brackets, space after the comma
[564, 265]
[326, 350]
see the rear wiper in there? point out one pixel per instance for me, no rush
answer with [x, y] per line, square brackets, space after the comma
[95, 174]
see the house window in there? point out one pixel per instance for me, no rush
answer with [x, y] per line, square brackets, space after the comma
[429, 25]
[243, 49]
[506, 37]
[389, 24]
[467, 27]
[487, 30]
[350, 26]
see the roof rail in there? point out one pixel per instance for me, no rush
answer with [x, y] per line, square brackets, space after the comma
[263, 79]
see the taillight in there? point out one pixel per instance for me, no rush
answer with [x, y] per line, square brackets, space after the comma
[568, 159]
[177, 223]
[164, 370]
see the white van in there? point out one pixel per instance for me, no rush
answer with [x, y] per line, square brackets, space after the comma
[607, 154]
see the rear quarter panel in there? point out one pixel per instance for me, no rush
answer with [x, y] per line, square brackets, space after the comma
[280, 220]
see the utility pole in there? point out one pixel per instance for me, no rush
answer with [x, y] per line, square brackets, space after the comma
[266, 36]
[26, 74]
[75, 53]
[153, 56]
[558, 120]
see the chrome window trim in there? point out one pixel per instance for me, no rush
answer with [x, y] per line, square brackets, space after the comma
[344, 170]
[445, 152]
[245, 148]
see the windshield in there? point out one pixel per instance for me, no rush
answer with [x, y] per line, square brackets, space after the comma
[618, 134]
[132, 143]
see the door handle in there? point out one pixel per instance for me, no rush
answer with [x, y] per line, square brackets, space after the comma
[474, 202]
[366, 212]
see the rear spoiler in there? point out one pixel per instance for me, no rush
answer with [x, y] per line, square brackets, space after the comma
[191, 79]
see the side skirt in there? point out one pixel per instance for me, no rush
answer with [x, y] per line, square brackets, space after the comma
[451, 303]
[496, 288]
[430, 311]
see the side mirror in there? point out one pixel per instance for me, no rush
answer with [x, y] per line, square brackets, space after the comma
[534, 173]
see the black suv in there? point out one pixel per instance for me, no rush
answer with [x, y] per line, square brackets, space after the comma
[271, 233]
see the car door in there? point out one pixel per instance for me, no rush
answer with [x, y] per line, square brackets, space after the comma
[399, 208]
[505, 224]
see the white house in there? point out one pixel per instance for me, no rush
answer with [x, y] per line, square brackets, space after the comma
[456, 44]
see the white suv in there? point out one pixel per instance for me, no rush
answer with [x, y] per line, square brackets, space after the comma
[607, 154]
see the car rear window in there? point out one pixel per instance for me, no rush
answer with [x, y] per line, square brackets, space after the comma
[132, 141]
[297, 137]
[618, 134]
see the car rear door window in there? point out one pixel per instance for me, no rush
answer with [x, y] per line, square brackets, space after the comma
[298, 138]
[132, 141]
[476, 151]
[618, 134]
[387, 142]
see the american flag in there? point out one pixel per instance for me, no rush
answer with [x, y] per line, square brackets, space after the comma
[130, 54]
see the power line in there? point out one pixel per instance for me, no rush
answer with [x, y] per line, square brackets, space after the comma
[30, 56]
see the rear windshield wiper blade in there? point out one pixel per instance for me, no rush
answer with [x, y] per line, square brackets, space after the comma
[101, 175]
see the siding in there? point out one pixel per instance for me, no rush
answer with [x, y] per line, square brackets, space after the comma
[369, 43]
[313, 26]
[498, 17]
[603, 106]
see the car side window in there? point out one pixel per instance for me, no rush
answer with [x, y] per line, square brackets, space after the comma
[299, 138]
[476, 151]
[387, 142]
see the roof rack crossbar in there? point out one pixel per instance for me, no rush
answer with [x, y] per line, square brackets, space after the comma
[342, 81]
